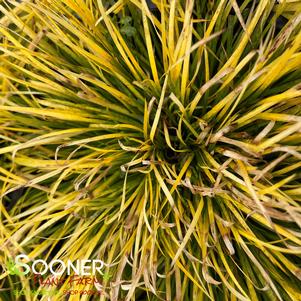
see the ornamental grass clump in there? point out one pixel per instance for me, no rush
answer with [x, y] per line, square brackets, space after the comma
[161, 137]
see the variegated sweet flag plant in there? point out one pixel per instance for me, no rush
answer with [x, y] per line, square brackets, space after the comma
[162, 137]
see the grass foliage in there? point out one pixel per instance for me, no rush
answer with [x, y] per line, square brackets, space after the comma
[163, 138]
